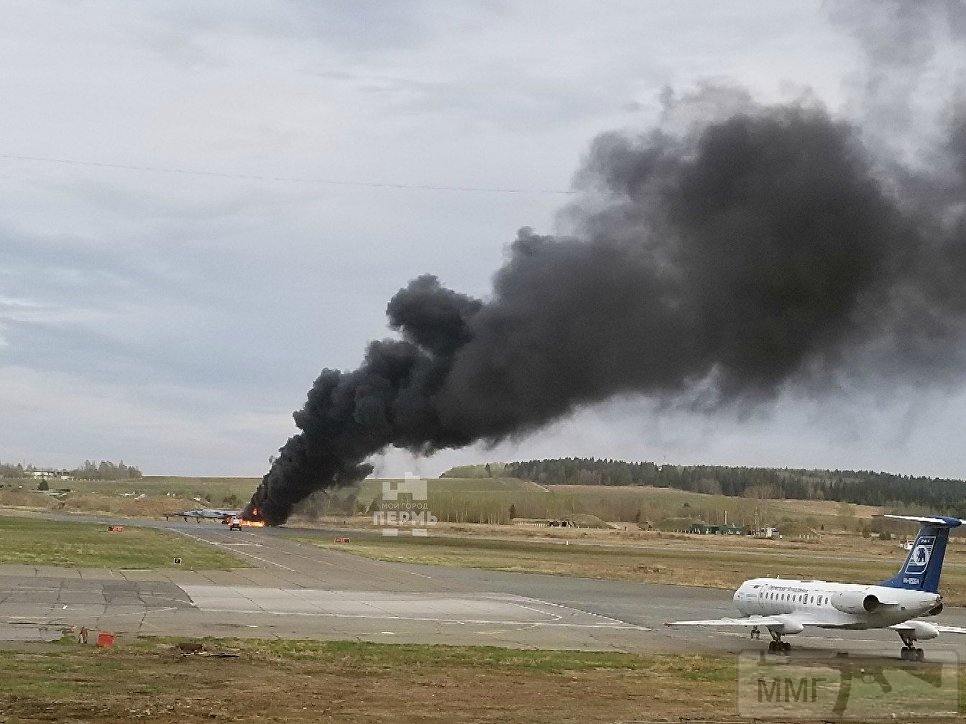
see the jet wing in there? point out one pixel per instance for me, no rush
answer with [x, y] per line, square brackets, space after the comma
[763, 621]
[212, 513]
[911, 626]
[929, 519]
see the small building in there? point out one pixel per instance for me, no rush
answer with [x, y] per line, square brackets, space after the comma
[47, 474]
[707, 529]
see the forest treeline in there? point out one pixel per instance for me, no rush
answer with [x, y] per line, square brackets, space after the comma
[864, 487]
[104, 470]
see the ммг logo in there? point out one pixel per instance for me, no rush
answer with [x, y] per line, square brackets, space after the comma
[921, 552]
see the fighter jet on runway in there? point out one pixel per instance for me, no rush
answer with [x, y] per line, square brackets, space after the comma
[207, 514]
[786, 607]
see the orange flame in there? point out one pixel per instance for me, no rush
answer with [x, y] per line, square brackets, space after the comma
[253, 523]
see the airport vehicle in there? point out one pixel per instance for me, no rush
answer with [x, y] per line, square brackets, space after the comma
[786, 607]
[234, 523]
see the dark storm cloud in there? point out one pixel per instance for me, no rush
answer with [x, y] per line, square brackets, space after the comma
[739, 255]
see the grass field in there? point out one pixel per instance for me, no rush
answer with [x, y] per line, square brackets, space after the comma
[149, 497]
[215, 490]
[349, 681]
[497, 500]
[460, 500]
[710, 561]
[40, 542]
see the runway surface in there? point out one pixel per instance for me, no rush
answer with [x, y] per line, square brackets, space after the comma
[297, 590]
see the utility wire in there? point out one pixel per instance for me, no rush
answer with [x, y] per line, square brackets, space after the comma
[281, 179]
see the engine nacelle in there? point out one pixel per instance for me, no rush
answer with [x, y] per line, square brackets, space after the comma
[921, 631]
[855, 602]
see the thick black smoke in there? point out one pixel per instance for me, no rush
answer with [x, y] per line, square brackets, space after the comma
[752, 251]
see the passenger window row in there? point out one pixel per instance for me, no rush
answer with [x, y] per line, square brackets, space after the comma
[803, 598]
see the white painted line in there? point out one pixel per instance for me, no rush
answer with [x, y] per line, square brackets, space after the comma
[427, 619]
[586, 613]
[241, 553]
[140, 613]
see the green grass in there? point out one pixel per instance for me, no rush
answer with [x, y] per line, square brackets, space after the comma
[368, 656]
[296, 680]
[292, 680]
[84, 545]
[183, 487]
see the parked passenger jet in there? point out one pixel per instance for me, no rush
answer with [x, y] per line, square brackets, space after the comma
[786, 607]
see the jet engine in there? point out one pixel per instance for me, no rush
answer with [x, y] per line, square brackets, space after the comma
[855, 602]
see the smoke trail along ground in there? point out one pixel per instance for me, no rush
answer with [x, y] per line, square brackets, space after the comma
[757, 250]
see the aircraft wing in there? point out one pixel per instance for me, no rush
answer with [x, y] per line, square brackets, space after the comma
[930, 519]
[208, 513]
[763, 621]
[910, 626]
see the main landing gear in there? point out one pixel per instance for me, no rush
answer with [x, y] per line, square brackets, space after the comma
[909, 652]
[776, 645]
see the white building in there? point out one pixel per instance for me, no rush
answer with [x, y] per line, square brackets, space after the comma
[51, 474]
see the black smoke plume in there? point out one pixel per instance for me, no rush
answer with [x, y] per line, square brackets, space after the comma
[747, 253]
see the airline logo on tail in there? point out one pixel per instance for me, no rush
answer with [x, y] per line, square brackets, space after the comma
[920, 555]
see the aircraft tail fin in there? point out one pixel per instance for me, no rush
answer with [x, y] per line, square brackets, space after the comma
[923, 565]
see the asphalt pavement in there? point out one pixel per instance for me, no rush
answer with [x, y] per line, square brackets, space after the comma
[292, 589]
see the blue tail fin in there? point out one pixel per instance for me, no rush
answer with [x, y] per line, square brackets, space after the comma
[924, 564]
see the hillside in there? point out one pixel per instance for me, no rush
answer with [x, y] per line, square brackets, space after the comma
[880, 489]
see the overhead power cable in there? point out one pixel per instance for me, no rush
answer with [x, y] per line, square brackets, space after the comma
[283, 179]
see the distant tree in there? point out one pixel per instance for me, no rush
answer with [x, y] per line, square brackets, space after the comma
[846, 486]
[43, 485]
[513, 511]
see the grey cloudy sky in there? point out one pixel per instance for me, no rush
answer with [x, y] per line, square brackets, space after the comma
[176, 319]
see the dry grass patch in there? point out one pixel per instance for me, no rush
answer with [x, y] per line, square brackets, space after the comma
[348, 681]
[709, 561]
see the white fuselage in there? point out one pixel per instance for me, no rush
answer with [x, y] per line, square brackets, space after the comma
[821, 603]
